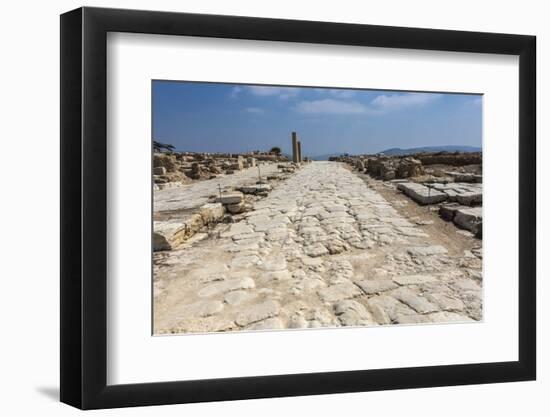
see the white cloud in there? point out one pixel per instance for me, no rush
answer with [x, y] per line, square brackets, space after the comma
[335, 92]
[392, 102]
[254, 110]
[331, 106]
[235, 91]
[477, 101]
[283, 93]
[342, 93]
[381, 104]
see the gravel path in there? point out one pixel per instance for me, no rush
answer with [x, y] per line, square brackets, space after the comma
[322, 250]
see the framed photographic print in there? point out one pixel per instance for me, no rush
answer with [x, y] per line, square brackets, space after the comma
[258, 208]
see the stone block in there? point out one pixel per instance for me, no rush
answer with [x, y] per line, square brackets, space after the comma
[469, 198]
[448, 211]
[234, 197]
[470, 219]
[169, 234]
[236, 208]
[159, 171]
[212, 212]
[422, 194]
[255, 188]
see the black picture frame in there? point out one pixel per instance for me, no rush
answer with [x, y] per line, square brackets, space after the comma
[84, 207]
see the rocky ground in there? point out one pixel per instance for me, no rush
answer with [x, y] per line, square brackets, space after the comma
[324, 248]
[174, 169]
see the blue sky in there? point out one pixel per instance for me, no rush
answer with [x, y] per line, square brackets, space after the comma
[211, 117]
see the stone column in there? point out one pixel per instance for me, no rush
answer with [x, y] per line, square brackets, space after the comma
[299, 151]
[294, 147]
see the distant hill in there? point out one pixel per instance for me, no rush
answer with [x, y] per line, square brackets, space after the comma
[447, 148]
[324, 157]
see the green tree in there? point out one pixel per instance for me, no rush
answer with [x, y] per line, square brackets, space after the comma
[275, 150]
[159, 147]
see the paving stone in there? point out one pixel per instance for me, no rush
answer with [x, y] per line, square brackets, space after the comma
[427, 250]
[339, 292]
[412, 319]
[445, 317]
[273, 323]
[379, 314]
[237, 297]
[278, 275]
[201, 309]
[245, 261]
[273, 264]
[237, 229]
[265, 226]
[352, 313]
[466, 284]
[315, 250]
[416, 302]
[258, 312]
[389, 305]
[246, 236]
[298, 322]
[376, 286]
[336, 246]
[445, 302]
[413, 279]
[310, 284]
[411, 231]
[226, 286]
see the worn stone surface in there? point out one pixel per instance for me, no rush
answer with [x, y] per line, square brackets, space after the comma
[234, 197]
[353, 313]
[376, 286]
[413, 279]
[258, 312]
[168, 235]
[415, 301]
[212, 212]
[322, 249]
[469, 218]
[226, 286]
[427, 250]
[422, 194]
[340, 291]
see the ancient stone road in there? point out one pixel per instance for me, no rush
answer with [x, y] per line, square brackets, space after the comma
[321, 250]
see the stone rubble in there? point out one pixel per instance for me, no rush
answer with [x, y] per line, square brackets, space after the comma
[173, 169]
[427, 180]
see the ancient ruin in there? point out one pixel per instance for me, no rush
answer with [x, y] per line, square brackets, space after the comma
[263, 242]
[452, 180]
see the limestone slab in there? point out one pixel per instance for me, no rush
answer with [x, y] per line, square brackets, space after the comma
[257, 312]
[422, 194]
